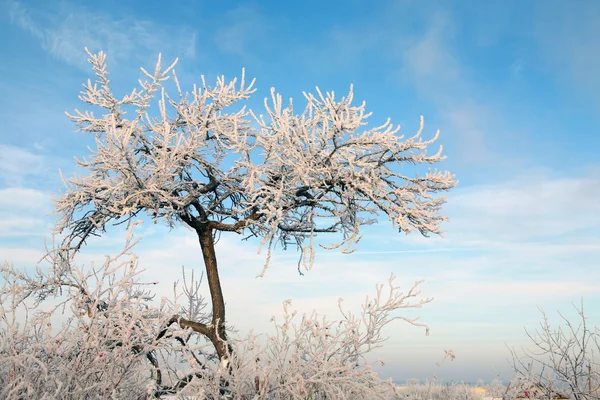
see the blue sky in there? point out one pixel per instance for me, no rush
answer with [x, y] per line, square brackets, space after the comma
[513, 85]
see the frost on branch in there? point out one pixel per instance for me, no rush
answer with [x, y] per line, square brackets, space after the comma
[201, 160]
[318, 358]
[97, 332]
[100, 334]
[283, 177]
[92, 336]
[563, 359]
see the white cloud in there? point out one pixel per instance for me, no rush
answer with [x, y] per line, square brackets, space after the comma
[24, 207]
[527, 208]
[233, 37]
[22, 16]
[569, 38]
[69, 28]
[24, 212]
[23, 199]
[431, 66]
[341, 48]
[428, 60]
[21, 256]
[241, 30]
[474, 129]
[541, 212]
[502, 294]
[468, 128]
[17, 163]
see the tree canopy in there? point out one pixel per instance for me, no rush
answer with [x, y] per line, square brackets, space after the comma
[283, 177]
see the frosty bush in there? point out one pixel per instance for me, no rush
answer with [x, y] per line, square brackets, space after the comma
[563, 360]
[70, 332]
[116, 341]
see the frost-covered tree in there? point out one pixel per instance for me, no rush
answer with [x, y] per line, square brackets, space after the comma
[204, 162]
[283, 178]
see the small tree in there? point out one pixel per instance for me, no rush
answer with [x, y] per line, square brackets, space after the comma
[285, 179]
[564, 360]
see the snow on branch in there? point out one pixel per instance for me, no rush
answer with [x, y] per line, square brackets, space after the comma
[284, 177]
[310, 356]
[105, 336]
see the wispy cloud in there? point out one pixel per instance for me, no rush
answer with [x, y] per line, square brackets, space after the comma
[570, 39]
[17, 163]
[531, 206]
[241, 31]
[430, 64]
[436, 250]
[338, 49]
[23, 212]
[30, 199]
[69, 27]
[428, 60]
[21, 257]
[470, 120]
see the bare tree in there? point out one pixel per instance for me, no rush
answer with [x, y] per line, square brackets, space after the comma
[564, 360]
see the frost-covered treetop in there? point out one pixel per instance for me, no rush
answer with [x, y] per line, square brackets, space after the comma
[283, 177]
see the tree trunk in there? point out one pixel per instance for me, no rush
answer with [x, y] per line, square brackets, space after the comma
[217, 334]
